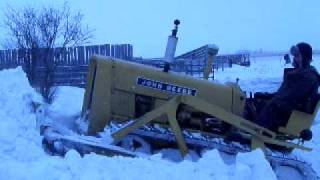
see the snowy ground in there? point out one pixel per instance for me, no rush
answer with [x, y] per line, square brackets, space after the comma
[22, 157]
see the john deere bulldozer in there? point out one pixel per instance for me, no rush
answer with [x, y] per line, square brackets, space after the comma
[162, 108]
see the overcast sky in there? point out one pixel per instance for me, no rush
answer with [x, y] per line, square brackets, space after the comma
[231, 24]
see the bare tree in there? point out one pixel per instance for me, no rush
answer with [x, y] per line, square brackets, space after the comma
[39, 32]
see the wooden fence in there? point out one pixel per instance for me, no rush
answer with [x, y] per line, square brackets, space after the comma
[73, 62]
[74, 56]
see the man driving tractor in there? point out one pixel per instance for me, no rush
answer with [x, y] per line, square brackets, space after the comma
[300, 84]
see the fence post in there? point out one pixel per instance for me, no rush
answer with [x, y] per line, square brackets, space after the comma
[81, 55]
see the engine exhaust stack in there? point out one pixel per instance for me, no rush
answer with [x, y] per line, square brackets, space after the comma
[171, 46]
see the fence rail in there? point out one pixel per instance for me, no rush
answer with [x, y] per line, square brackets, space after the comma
[74, 56]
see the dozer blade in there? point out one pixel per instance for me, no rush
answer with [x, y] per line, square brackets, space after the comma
[56, 143]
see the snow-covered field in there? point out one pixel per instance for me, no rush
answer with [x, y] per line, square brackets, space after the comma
[22, 157]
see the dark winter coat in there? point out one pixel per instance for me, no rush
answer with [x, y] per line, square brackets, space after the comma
[298, 85]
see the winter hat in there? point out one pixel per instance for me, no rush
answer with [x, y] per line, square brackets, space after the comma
[306, 52]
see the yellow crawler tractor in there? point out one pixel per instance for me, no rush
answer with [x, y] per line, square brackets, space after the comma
[190, 113]
[165, 108]
[119, 92]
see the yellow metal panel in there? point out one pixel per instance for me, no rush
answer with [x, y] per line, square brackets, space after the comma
[257, 143]
[299, 121]
[100, 109]
[239, 99]
[126, 77]
[89, 86]
[123, 104]
[115, 86]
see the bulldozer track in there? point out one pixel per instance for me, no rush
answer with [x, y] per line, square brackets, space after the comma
[275, 158]
[87, 144]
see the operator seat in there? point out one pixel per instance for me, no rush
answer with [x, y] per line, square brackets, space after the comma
[301, 119]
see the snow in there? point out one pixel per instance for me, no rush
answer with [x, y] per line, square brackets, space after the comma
[257, 163]
[267, 79]
[66, 106]
[22, 156]
[67, 96]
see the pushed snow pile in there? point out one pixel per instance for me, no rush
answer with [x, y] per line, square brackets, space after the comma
[98, 167]
[70, 97]
[66, 106]
[15, 93]
[19, 139]
[16, 98]
[259, 166]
